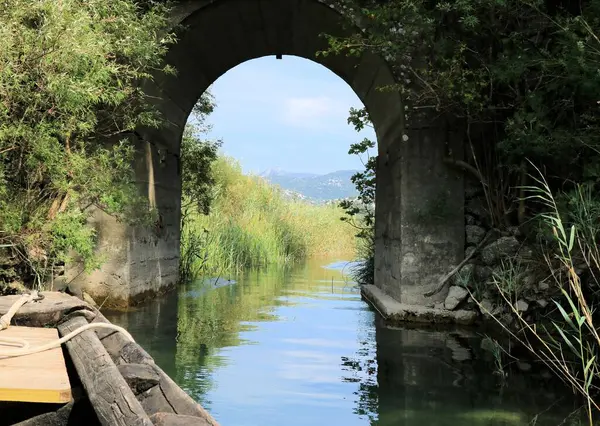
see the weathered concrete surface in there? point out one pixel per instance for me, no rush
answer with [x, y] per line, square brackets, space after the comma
[395, 312]
[419, 212]
[48, 311]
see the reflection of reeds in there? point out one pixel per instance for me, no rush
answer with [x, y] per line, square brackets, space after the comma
[253, 225]
[214, 319]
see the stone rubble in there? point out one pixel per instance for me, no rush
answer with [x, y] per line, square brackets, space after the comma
[456, 295]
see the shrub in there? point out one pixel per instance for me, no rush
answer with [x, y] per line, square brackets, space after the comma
[70, 99]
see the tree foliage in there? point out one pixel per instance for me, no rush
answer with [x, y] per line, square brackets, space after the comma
[197, 156]
[360, 212]
[70, 100]
[521, 78]
[522, 75]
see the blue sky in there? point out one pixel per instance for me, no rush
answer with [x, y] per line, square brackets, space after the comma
[288, 114]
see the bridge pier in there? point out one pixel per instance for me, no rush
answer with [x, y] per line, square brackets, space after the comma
[420, 211]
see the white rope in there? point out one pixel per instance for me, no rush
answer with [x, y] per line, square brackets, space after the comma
[23, 345]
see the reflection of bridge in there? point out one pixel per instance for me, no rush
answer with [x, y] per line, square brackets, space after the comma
[419, 212]
[422, 380]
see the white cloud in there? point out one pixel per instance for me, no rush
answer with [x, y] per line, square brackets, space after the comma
[315, 112]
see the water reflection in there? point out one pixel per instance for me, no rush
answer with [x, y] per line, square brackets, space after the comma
[299, 347]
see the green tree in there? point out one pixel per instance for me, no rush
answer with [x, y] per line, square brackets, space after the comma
[198, 186]
[520, 76]
[360, 213]
[70, 101]
[197, 156]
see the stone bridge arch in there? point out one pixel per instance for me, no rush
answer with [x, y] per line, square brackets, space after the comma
[419, 210]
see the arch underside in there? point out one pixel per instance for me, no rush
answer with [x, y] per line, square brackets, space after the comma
[216, 36]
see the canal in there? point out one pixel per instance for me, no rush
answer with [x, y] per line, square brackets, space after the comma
[300, 347]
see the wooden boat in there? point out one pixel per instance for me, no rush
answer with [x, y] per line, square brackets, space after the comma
[111, 379]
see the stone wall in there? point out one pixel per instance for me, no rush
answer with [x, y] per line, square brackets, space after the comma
[505, 268]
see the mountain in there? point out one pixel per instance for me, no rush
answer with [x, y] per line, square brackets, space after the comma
[319, 188]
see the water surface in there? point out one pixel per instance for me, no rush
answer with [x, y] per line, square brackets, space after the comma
[300, 347]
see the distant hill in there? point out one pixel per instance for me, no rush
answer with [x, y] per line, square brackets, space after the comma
[318, 188]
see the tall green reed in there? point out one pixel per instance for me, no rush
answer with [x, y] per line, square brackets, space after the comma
[570, 344]
[252, 224]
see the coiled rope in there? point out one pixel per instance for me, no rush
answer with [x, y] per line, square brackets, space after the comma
[23, 347]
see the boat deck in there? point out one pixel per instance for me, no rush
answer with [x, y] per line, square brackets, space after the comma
[40, 377]
[108, 379]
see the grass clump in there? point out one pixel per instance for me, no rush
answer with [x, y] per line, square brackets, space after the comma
[253, 225]
[567, 342]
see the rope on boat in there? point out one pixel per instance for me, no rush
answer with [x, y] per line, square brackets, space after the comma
[23, 346]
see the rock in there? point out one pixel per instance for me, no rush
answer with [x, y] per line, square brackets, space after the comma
[139, 377]
[542, 303]
[525, 253]
[543, 286]
[465, 317]
[528, 281]
[469, 251]
[474, 234]
[522, 306]
[501, 248]
[497, 311]
[471, 304]
[464, 277]
[396, 313]
[455, 296]
[476, 207]
[486, 307]
[515, 231]
[482, 273]
[439, 305]
[506, 319]
[469, 220]
[523, 366]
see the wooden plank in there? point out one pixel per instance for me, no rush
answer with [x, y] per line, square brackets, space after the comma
[169, 396]
[170, 419]
[48, 311]
[112, 399]
[40, 377]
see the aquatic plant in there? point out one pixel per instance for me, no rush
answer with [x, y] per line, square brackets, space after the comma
[253, 224]
[508, 277]
[569, 345]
